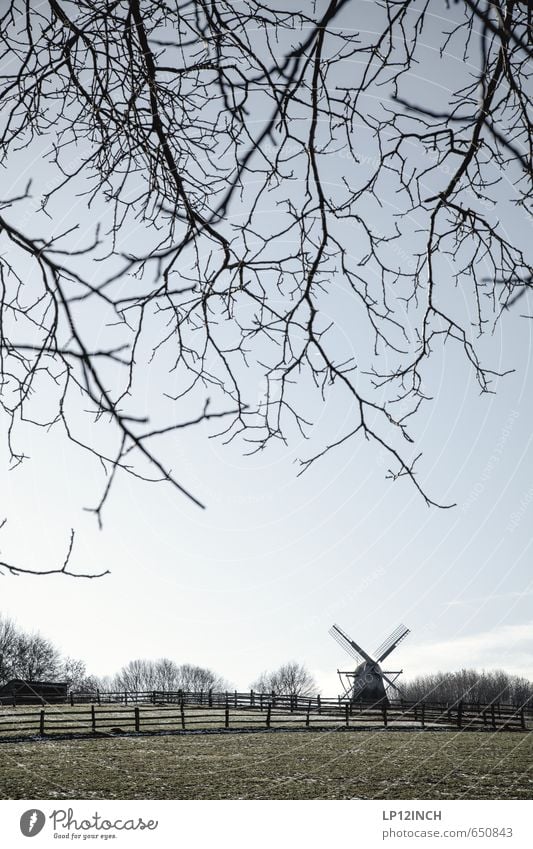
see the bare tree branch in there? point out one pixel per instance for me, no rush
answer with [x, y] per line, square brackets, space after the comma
[258, 197]
[63, 570]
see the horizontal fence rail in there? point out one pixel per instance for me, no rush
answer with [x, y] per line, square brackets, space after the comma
[155, 711]
[253, 699]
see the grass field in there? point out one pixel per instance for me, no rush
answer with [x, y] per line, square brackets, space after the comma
[288, 765]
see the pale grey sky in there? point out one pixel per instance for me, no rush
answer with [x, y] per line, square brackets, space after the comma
[261, 574]
[259, 577]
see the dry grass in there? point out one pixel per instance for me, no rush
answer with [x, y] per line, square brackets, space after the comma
[312, 765]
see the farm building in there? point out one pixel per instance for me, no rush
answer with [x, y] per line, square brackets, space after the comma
[22, 692]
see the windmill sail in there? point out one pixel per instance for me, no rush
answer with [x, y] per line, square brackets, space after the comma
[391, 642]
[348, 644]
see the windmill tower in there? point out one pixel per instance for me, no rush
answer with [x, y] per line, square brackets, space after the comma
[368, 682]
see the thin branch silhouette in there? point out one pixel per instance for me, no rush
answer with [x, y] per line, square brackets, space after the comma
[256, 197]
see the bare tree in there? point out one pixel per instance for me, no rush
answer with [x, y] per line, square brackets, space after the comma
[291, 679]
[36, 658]
[32, 657]
[283, 217]
[74, 673]
[198, 679]
[164, 674]
[136, 676]
[9, 635]
[167, 674]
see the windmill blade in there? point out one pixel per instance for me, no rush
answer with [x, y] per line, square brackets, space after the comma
[391, 642]
[390, 639]
[349, 645]
[345, 643]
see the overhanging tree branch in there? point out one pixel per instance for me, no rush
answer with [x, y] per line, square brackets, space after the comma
[268, 200]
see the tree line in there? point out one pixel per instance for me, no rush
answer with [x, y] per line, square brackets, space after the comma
[290, 678]
[32, 657]
[469, 685]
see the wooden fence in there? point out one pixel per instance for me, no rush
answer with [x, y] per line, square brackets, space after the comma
[291, 703]
[180, 712]
[260, 701]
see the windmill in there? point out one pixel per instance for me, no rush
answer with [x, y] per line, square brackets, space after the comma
[368, 682]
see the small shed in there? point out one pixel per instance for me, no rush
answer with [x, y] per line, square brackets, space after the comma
[19, 692]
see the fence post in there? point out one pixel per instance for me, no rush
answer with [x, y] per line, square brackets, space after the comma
[493, 715]
[125, 697]
[319, 704]
[137, 718]
[423, 718]
[460, 714]
[98, 696]
[384, 711]
[226, 718]
[41, 723]
[93, 719]
[210, 698]
[347, 715]
[522, 718]
[269, 709]
[307, 718]
[252, 698]
[261, 701]
[71, 699]
[235, 698]
[182, 712]
[153, 697]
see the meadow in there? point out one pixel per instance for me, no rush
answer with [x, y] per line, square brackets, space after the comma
[308, 764]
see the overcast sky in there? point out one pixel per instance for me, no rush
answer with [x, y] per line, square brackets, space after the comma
[259, 576]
